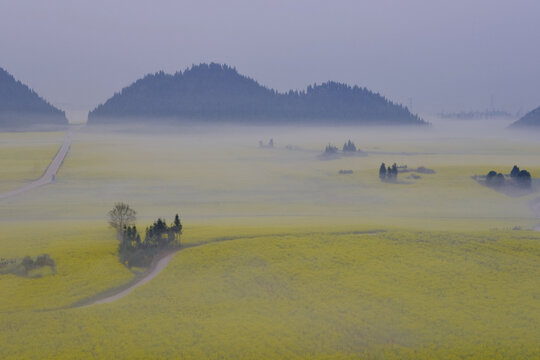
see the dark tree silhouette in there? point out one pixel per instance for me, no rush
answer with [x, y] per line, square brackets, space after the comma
[394, 171]
[330, 150]
[524, 179]
[515, 171]
[177, 225]
[490, 176]
[349, 147]
[121, 216]
[158, 237]
[382, 172]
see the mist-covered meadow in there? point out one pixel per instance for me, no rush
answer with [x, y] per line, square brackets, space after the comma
[287, 258]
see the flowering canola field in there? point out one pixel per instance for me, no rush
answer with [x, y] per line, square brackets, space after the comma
[284, 258]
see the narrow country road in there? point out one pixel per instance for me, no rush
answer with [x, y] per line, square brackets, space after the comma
[49, 174]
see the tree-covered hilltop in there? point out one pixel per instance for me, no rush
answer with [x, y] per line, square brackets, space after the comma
[215, 92]
[20, 106]
[530, 119]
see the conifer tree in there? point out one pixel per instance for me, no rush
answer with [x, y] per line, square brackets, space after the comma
[382, 172]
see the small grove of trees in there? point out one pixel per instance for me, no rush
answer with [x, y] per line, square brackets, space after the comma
[520, 178]
[330, 150]
[494, 179]
[27, 264]
[388, 174]
[349, 148]
[133, 251]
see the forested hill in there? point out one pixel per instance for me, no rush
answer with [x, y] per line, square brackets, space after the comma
[20, 106]
[531, 119]
[215, 93]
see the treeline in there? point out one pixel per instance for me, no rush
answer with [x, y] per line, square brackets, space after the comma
[22, 267]
[474, 115]
[218, 92]
[20, 105]
[348, 148]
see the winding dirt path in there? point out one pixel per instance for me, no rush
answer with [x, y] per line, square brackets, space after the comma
[49, 174]
[161, 263]
[154, 271]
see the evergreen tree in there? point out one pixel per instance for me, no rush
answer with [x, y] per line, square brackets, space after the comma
[177, 225]
[394, 171]
[330, 150]
[349, 147]
[515, 171]
[382, 172]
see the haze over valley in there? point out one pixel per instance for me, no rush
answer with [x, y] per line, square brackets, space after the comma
[287, 180]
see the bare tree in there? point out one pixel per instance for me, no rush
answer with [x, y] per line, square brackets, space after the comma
[121, 216]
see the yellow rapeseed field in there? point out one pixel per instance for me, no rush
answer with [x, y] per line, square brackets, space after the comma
[396, 294]
[285, 258]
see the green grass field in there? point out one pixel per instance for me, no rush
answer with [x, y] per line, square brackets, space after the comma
[288, 259]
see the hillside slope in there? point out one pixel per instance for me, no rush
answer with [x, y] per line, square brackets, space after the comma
[20, 106]
[532, 118]
[218, 93]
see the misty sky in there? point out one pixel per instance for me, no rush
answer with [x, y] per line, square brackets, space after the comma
[442, 55]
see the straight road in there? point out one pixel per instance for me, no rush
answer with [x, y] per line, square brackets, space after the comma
[49, 174]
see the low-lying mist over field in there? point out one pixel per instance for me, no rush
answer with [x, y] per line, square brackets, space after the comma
[293, 240]
[269, 180]
[219, 172]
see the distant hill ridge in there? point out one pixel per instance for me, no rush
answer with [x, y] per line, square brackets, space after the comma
[531, 119]
[215, 92]
[20, 106]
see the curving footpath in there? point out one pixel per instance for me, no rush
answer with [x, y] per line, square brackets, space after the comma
[156, 269]
[49, 174]
[160, 265]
